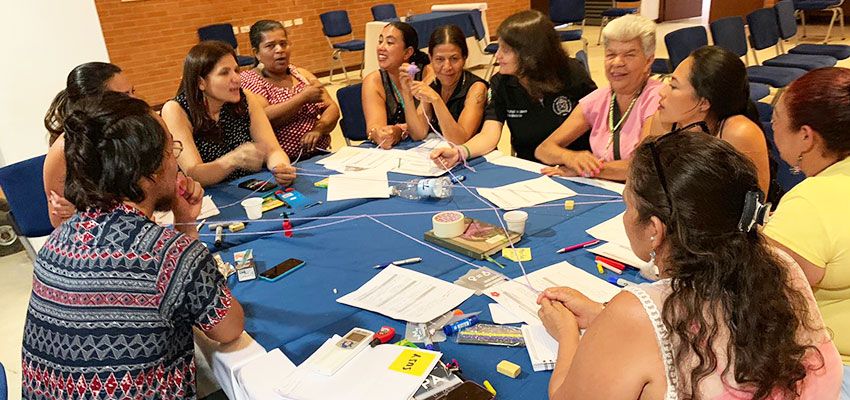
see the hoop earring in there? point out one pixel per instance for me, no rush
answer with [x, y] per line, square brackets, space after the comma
[796, 169]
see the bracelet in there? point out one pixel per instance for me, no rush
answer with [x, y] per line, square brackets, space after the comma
[468, 153]
[369, 134]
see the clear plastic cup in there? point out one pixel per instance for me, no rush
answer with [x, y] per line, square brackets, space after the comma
[516, 220]
[253, 207]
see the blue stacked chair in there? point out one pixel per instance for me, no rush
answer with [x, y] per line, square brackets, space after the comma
[616, 12]
[682, 42]
[224, 33]
[567, 12]
[353, 122]
[833, 6]
[23, 185]
[491, 50]
[729, 33]
[764, 34]
[787, 23]
[336, 24]
[383, 12]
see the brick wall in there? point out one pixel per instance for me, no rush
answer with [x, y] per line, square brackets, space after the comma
[150, 38]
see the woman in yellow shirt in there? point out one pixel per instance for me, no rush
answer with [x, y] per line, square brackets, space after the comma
[812, 222]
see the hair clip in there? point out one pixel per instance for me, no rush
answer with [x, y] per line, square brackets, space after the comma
[755, 212]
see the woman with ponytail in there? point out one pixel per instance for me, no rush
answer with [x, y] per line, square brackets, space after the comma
[731, 317]
[711, 85]
[388, 104]
[89, 79]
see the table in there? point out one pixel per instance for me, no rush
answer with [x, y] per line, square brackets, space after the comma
[472, 21]
[299, 312]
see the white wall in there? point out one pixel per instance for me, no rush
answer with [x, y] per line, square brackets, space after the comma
[43, 41]
[650, 8]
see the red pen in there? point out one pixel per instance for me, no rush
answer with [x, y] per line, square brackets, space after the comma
[578, 246]
[610, 263]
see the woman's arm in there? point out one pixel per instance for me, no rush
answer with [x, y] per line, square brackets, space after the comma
[602, 350]
[479, 145]
[553, 150]
[330, 117]
[245, 156]
[263, 135]
[279, 114]
[746, 137]
[467, 124]
[417, 127]
[374, 109]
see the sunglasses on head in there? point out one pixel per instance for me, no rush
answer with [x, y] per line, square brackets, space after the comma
[659, 171]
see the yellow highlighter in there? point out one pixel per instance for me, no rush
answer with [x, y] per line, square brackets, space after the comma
[489, 387]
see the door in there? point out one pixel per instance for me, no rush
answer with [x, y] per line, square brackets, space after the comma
[680, 9]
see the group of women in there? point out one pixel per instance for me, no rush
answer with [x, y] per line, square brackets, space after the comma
[739, 311]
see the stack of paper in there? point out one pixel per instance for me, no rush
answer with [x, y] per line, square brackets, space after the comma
[542, 348]
[370, 183]
[520, 300]
[382, 372]
[526, 193]
[618, 247]
[407, 295]
[410, 162]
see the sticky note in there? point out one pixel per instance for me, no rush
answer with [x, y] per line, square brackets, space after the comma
[524, 253]
[569, 205]
[413, 362]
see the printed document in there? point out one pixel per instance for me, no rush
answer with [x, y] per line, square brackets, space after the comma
[367, 184]
[526, 193]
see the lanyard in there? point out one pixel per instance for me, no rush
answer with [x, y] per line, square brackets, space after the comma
[614, 130]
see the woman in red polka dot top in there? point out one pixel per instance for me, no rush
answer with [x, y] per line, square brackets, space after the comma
[302, 113]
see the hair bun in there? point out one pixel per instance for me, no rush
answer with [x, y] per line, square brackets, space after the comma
[77, 124]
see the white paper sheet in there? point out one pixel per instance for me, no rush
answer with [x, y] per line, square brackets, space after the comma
[367, 184]
[208, 209]
[542, 347]
[521, 301]
[519, 163]
[407, 295]
[612, 231]
[431, 143]
[615, 187]
[501, 315]
[366, 376]
[410, 162]
[526, 193]
[619, 253]
[259, 378]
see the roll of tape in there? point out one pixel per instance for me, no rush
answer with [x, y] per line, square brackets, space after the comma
[448, 224]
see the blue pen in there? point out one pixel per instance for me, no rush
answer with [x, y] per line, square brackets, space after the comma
[413, 260]
[457, 178]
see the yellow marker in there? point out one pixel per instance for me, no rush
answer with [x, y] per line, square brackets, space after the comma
[601, 271]
[569, 205]
[489, 387]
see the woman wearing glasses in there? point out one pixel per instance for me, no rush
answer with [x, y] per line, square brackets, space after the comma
[711, 85]
[812, 222]
[614, 115]
[730, 318]
[300, 110]
[224, 130]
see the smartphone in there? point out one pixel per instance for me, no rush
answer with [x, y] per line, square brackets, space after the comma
[257, 185]
[469, 390]
[281, 270]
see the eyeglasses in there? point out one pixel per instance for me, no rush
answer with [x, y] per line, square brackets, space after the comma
[177, 148]
[659, 171]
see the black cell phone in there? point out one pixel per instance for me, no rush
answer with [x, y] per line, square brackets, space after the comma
[282, 269]
[469, 390]
[257, 185]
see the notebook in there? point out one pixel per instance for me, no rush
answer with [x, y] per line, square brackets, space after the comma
[542, 348]
[478, 241]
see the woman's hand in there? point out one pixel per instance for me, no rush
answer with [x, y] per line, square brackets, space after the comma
[557, 171]
[248, 157]
[309, 140]
[313, 92]
[424, 93]
[188, 199]
[445, 157]
[385, 136]
[284, 174]
[60, 206]
[584, 309]
[404, 79]
[558, 320]
[583, 163]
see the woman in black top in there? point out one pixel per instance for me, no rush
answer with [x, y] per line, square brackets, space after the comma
[387, 118]
[535, 91]
[454, 102]
[224, 131]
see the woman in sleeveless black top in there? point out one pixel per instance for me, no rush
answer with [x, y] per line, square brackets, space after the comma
[225, 133]
[388, 107]
[454, 103]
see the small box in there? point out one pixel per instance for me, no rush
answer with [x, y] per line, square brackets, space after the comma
[247, 272]
[569, 205]
[236, 226]
[508, 368]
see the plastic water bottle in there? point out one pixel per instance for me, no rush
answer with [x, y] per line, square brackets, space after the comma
[422, 188]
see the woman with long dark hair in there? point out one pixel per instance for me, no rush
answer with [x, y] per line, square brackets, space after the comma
[731, 318]
[453, 103]
[225, 131]
[711, 85]
[389, 108]
[300, 110]
[538, 86]
[85, 80]
[812, 223]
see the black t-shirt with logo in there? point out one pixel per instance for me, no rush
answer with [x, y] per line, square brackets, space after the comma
[532, 121]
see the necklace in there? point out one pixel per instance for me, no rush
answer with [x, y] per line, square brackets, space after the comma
[615, 128]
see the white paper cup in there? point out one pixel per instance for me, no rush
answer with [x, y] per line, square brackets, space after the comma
[253, 207]
[516, 220]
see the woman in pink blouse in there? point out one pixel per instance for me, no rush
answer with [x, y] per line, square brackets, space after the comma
[301, 111]
[615, 114]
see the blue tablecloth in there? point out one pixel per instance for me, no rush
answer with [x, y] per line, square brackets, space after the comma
[468, 21]
[299, 312]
